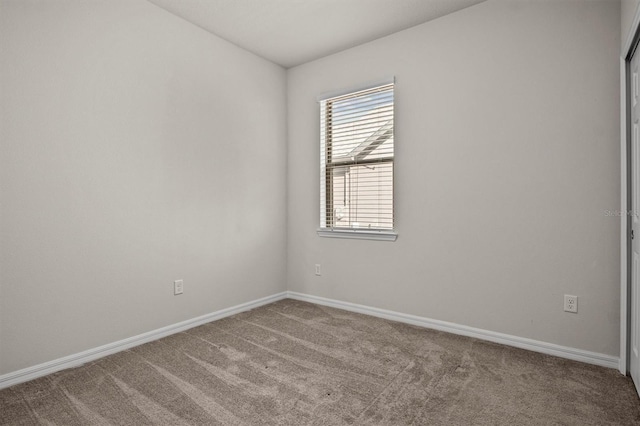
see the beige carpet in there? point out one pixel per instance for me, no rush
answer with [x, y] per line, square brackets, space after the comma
[294, 363]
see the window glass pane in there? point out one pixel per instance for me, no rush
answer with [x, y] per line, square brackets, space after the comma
[363, 196]
[356, 121]
[357, 150]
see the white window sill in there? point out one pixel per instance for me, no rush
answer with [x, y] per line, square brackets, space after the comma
[364, 234]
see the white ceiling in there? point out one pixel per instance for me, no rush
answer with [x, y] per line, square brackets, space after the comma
[292, 32]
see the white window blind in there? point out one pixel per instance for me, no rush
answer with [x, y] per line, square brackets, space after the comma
[357, 152]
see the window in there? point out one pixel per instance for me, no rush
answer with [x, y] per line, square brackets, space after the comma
[356, 162]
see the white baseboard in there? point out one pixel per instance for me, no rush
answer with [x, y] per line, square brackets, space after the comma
[491, 336]
[78, 359]
[75, 360]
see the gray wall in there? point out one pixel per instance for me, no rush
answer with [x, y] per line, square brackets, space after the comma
[507, 156]
[135, 149]
[627, 13]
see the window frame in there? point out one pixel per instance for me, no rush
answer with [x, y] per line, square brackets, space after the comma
[326, 184]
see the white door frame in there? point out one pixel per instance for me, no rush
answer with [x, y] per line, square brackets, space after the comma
[624, 196]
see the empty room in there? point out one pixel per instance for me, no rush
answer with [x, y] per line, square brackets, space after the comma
[319, 212]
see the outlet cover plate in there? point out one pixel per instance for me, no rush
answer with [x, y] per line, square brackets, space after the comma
[571, 303]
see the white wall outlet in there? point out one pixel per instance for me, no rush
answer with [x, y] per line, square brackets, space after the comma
[318, 269]
[570, 303]
[178, 287]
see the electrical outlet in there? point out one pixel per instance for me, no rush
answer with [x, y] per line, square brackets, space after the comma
[571, 303]
[178, 287]
[318, 269]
